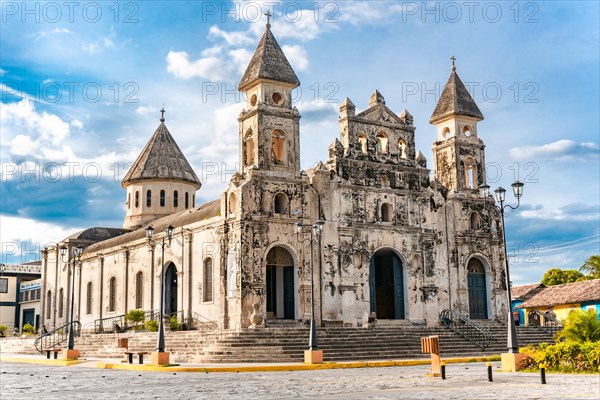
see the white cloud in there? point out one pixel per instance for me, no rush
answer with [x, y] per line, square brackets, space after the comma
[21, 118]
[564, 149]
[232, 38]
[16, 231]
[145, 110]
[22, 145]
[2, 72]
[241, 58]
[90, 47]
[56, 31]
[77, 124]
[297, 56]
[211, 66]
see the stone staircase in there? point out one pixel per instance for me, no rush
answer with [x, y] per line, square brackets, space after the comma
[285, 342]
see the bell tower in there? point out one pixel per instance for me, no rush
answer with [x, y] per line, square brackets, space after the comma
[458, 153]
[269, 124]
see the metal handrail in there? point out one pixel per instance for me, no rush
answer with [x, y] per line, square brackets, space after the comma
[551, 324]
[193, 322]
[118, 323]
[56, 337]
[467, 328]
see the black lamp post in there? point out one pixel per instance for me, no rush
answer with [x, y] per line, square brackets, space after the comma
[315, 233]
[72, 262]
[500, 194]
[160, 345]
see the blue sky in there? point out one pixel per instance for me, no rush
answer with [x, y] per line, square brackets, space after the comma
[82, 84]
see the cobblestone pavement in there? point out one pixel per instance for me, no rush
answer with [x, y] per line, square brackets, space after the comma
[464, 381]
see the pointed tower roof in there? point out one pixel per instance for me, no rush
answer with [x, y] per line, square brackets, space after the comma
[268, 62]
[455, 100]
[161, 159]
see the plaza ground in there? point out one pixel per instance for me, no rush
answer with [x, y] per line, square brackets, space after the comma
[464, 381]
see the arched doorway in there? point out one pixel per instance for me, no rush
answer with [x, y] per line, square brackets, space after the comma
[171, 289]
[477, 289]
[386, 284]
[281, 284]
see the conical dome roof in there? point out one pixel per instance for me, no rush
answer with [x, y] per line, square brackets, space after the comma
[455, 100]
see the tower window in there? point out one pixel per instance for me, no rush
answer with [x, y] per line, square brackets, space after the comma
[362, 141]
[232, 203]
[187, 200]
[175, 199]
[193, 200]
[253, 100]
[137, 199]
[446, 133]
[382, 143]
[471, 173]
[277, 98]
[139, 290]
[475, 221]
[148, 198]
[128, 200]
[249, 143]
[281, 203]
[386, 212]
[402, 148]
[162, 198]
[467, 131]
[278, 147]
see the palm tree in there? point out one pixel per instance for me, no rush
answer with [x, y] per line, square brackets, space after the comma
[581, 326]
[592, 267]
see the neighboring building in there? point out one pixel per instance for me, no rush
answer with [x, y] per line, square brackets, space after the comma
[560, 300]
[518, 295]
[395, 241]
[15, 281]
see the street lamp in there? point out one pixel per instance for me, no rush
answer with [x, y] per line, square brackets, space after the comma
[74, 261]
[500, 195]
[315, 234]
[160, 345]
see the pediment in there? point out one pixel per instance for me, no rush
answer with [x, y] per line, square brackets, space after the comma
[380, 113]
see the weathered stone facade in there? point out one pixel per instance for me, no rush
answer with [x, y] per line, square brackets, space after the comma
[396, 241]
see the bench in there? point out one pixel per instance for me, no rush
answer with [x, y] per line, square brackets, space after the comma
[53, 350]
[140, 355]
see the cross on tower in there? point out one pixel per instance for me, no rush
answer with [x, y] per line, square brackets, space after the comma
[453, 59]
[268, 14]
[162, 114]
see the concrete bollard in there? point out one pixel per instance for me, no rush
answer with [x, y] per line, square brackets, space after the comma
[543, 373]
[443, 369]
[489, 370]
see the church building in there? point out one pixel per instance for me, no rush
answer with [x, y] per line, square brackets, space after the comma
[377, 233]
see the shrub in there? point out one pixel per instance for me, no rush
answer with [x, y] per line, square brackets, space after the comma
[3, 329]
[28, 329]
[581, 326]
[151, 325]
[135, 316]
[563, 356]
[174, 323]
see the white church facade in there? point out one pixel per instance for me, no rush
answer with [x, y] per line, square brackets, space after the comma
[396, 240]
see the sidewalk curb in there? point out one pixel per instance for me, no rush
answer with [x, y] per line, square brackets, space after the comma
[249, 367]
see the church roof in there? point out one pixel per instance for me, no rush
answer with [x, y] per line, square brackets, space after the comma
[183, 218]
[455, 100]
[268, 62]
[161, 159]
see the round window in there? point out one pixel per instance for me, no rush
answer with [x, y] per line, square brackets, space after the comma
[253, 100]
[277, 98]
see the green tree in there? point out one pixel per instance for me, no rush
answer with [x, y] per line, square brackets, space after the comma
[557, 276]
[592, 267]
[581, 326]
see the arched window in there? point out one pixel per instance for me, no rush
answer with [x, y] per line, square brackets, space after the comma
[362, 141]
[175, 199]
[385, 182]
[278, 147]
[467, 130]
[129, 200]
[112, 294]
[88, 299]
[232, 203]
[208, 280]
[402, 148]
[446, 133]
[277, 98]
[187, 200]
[253, 100]
[475, 221]
[382, 143]
[148, 198]
[471, 173]
[60, 302]
[281, 203]
[162, 198]
[49, 304]
[386, 212]
[139, 290]
[137, 199]
[193, 200]
[249, 143]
